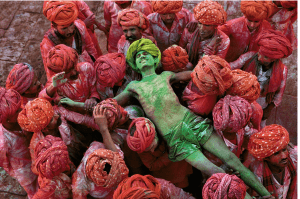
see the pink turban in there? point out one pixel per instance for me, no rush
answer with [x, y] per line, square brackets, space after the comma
[166, 6]
[144, 133]
[257, 10]
[174, 58]
[20, 77]
[36, 115]
[268, 141]
[210, 13]
[10, 102]
[133, 17]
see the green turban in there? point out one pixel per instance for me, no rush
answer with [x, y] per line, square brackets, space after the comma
[139, 45]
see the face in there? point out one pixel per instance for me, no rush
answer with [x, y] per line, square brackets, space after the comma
[71, 74]
[153, 145]
[168, 18]
[132, 33]
[143, 59]
[35, 87]
[66, 31]
[206, 31]
[279, 159]
[265, 61]
[252, 25]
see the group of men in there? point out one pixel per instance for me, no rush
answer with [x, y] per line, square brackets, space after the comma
[177, 93]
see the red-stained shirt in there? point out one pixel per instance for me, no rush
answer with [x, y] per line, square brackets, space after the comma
[111, 10]
[241, 39]
[87, 46]
[170, 191]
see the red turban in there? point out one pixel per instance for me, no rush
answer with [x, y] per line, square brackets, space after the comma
[268, 141]
[10, 102]
[138, 186]
[210, 13]
[116, 115]
[274, 44]
[20, 77]
[36, 115]
[257, 10]
[61, 58]
[60, 12]
[133, 17]
[231, 114]
[167, 6]
[212, 75]
[198, 102]
[289, 4]
[144, 133]
[245, 85]
[174, 58]
[110, 69]
[121, 2]
[52, 157]
[223, 186]
[257, 114]
[95, 165]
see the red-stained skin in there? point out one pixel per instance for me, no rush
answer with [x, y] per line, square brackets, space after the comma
[279, 159]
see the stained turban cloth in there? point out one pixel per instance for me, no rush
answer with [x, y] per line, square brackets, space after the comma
[132, 17]
[143, 136]
[245, 85]
[174, 58]
[167, 6]
[36, 115]
[115, 114]
[231, 114]
[268, 141]
[52, 157]
[10, 102]
[222, 185]
[20, 77]
[212, 75]
[141, 45]
[138, 186]
[95, 168]
[274, 44]
[60, 12]
[289, 4]
[257, 10]
[210, 13]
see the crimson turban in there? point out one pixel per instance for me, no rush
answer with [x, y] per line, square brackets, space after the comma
[95, 165]
[212, 75]
[198, 102]
[20, 77]
[10, 102]
[274, 44]
[36, 115]
[289, 4]
[210, 13]
[166, 6]
[222, 185]
[110, 69]
[121, 2]
[133, 17]
[268, 141]
[257, 10]
[52, 157]
[245, 85]
[60, 12]
[61, 58]
[231, 114]
[174, 58]
[138, 186]
[143, 136]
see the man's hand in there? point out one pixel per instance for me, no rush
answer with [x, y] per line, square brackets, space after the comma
[192, 26]
[89, 20]
[99, 114]
[215, 42]
[66, 101]
[58, 79]
[89, 104]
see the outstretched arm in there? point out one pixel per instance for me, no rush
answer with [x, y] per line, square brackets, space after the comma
[181, 76]
[124, 97]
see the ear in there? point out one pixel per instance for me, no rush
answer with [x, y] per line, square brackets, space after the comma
[156, 60]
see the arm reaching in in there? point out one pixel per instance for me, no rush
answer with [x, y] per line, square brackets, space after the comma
[181, 77]
[57, 80]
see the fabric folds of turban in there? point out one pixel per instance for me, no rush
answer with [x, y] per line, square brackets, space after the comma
[222, 185]
[95, 168]
[268, 141]
[52, 157]
[60, 12]
[121, 2]
[174, 58]
[20, 77]
[210, 13]
[245, 85]
[274, 44]
[110, 69]
[36, 115]
[138, 186]
[231, 114]
[212, 75]
[10, 102]
[61, 58]
[143, 136]
[166, 6]
[257, 10]
[141, 45]
[132, 17]
[288, 4]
